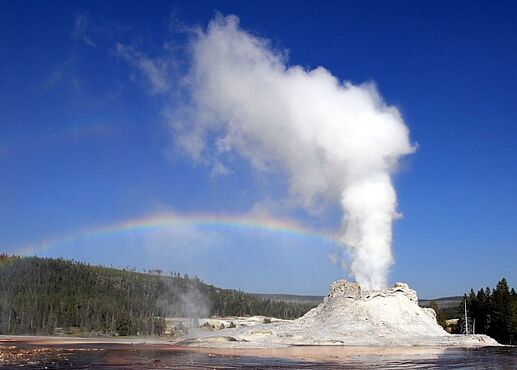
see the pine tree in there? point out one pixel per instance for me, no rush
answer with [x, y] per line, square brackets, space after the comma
[501, 318]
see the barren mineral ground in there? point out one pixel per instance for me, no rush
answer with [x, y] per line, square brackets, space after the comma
[350, 317]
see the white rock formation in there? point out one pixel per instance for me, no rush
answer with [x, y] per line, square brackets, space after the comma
[348, 316]
[236, 322]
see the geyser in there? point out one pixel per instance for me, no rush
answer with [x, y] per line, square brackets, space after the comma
[349, 316]
[334, 142]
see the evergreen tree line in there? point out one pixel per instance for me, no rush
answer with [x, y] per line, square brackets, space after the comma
[492, 312]
[45, 296]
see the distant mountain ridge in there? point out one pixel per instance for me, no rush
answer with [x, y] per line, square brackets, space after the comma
[292, 298]
[443, 303]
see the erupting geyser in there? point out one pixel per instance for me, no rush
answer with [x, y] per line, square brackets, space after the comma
[335, 142]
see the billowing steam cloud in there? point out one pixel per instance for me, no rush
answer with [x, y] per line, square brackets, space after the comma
[334, 142]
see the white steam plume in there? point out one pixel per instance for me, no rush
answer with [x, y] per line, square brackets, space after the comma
[334, 142]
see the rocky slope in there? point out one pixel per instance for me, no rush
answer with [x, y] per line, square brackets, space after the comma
[348, 316]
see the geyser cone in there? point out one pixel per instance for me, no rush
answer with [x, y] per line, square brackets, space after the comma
[350, 316]
[388, 312]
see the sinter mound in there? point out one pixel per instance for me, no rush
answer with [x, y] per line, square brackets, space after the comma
[348, 316]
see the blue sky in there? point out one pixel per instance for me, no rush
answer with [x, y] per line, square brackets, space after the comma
[84, 140]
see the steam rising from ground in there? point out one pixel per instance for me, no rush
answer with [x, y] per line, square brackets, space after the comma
[335, 142]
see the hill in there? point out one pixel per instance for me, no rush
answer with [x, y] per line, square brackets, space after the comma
[47, 296]
[448, 307]
[291, 298]
[443, 303]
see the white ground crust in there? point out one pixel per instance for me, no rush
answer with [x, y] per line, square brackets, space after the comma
[347, 316]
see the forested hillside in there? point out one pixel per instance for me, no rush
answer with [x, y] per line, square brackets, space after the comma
[45, 296]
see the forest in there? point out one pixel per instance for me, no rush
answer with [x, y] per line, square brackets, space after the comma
[492, 312]
[46, 296]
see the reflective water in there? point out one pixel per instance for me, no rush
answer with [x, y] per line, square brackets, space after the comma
[127, 356]
[473, 358]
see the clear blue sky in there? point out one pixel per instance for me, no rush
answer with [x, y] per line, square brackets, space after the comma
[84, 139]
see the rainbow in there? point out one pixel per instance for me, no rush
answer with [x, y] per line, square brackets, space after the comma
[168, 221]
